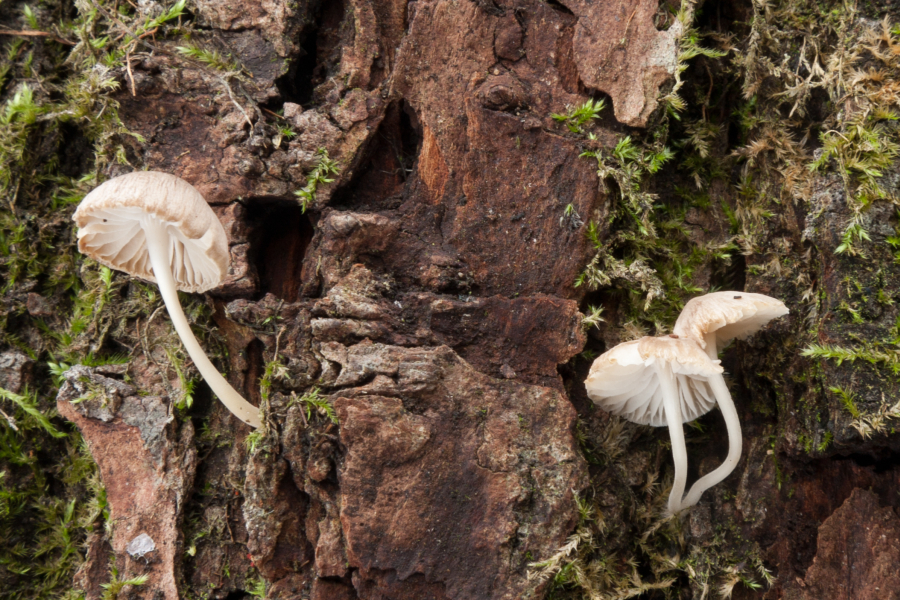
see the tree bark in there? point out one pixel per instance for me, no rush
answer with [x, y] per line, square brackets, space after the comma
[424, 201]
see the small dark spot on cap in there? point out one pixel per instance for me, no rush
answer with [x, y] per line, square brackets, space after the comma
[737, 297]
[104, 220]
[673, 335]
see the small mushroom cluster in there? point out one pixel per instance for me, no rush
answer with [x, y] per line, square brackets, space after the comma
[675, 379]
[157, 227]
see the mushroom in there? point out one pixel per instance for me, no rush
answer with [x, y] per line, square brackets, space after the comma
[657, 381]
[712, 321]
[157, 227]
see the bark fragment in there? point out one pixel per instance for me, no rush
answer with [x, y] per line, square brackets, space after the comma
[15, 371]
[619, 51]
[467, 474]
[858, 552]
[147, 464]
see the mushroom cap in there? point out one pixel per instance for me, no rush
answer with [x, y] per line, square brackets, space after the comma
[730, 314]
[625, 381]
[110, 228]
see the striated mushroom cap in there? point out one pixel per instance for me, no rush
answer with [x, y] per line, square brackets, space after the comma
[729, 314]
[110, 228]
[625, 381]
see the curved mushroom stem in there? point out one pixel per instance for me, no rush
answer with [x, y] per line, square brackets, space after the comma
[732, 424]
[158, 243]
[675, 421]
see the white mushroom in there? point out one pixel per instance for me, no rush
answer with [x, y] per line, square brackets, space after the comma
[712, 321]
[157, 227]
[657, 381]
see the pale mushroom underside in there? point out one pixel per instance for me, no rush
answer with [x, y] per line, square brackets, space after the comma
[625, 380]
[115, 237]
[749, 326]
[634, 393]
[729, 314]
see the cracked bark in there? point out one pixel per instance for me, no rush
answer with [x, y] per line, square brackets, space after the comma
[429, 292]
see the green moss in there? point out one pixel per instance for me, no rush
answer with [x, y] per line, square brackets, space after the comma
[872, 352]
[624, 546]
[319, 175]
[317, 405]
[212, 58]
[59, 131]
[576, 117]
[112, 589]
[848, 399]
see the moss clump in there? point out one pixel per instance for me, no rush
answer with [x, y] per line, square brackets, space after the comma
[776, 174]
[648, 259]
[645, 553]
[59, 132]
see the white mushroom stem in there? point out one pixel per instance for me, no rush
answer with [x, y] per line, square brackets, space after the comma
[732, 424]
[158, 242]
[676, 433]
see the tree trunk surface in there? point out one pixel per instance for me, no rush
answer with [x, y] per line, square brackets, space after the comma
[439, 212]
